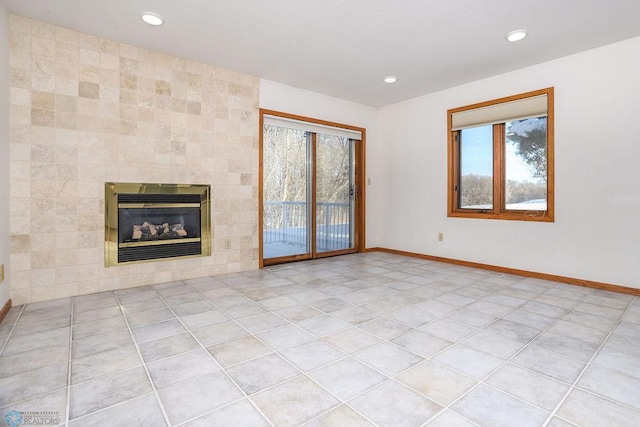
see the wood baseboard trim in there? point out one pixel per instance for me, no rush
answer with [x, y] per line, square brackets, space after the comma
[525, 273]
[5, 309]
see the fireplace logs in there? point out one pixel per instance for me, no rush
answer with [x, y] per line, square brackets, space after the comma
[165, 231]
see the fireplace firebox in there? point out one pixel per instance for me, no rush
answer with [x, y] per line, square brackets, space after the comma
[151, 222]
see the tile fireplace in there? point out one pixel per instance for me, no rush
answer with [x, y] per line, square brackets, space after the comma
[151, 222]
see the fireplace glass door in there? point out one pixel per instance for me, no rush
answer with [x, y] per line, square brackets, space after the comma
[158, 223]
[147, 222]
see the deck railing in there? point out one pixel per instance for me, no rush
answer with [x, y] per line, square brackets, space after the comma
[286, 222]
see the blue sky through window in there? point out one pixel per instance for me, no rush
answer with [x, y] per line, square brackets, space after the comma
[477, 155]
[477, 151]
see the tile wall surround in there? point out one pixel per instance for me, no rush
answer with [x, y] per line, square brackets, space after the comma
[85, 110]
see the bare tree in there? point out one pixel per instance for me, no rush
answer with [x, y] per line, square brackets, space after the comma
[285, 167]
[477, 190]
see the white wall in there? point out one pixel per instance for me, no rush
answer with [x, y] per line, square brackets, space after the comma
[5, 289]
[596, 234]
[288, 99]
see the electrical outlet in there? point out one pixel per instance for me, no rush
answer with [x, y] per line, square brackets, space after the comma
[440, 237]
[227, 244]
[368, 181]
[1, 272]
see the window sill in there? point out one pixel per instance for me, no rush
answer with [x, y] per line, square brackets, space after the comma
[533, 216]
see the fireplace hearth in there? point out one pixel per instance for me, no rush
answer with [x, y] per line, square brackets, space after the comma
[151, 222]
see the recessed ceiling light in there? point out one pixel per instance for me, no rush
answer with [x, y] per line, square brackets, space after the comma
[516, 35]
[390, 79]
[152, 18]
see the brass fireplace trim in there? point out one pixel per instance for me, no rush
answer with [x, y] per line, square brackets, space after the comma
[158, 205]
[111, 191]
[159, 242]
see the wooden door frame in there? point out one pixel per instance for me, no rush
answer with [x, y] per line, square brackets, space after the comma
[359, 196]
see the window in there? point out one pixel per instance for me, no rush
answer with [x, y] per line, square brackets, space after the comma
[501, 158]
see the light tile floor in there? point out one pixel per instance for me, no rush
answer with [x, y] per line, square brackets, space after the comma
[354, 340]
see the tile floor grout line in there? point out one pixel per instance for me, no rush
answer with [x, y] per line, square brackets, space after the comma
[394, 377]
[305, 374]
[382, 340]
[425, 358]
[312, 274]
[476, 332]
[444, 411]
[176, 317]
[302, 373]
[290, 322]
[346, 402]
[52, 364]
[318, 337]
[301, 303]
[69, 367]
[524, 345]
[184, 325]
[13, 328]
[482, 381]
[555, 320]
[204, 348]
[430, 359]
[115, 405]
[144, 365]
[588, 365]
[226, 405]
[608, 399]
[19, 402]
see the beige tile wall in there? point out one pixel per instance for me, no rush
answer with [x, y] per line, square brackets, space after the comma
[86, 110]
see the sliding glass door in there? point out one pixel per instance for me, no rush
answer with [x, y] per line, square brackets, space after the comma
[335, 193]
[286, 192]
[309, 192]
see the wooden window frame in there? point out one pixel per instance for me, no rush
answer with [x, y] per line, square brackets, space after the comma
[499, 210]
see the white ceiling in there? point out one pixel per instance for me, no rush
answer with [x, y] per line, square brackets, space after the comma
[344, 48]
